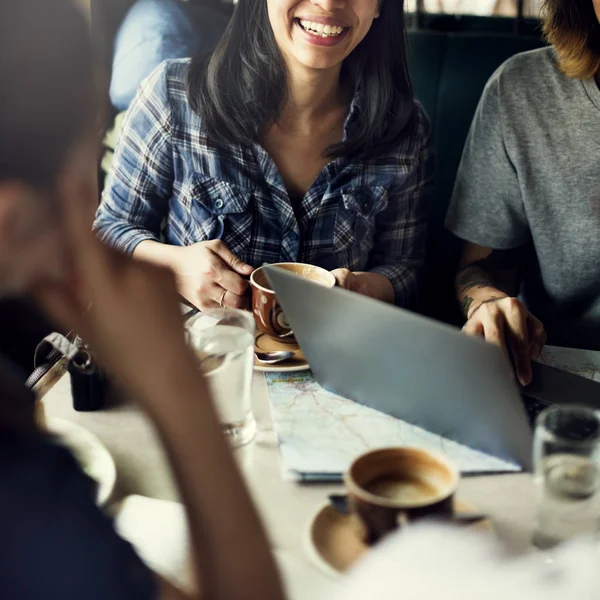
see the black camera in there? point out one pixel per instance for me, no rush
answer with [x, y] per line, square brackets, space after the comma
[89, 384]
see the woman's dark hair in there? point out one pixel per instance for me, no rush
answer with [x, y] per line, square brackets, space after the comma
[46, 87]
[243, 85]
[571, 26]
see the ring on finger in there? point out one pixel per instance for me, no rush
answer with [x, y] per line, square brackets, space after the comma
[222, 298]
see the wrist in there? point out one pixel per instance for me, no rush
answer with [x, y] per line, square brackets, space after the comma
[376, 285]
[473, 299]
[162, 255]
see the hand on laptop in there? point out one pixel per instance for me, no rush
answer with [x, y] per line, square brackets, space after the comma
[506, 322]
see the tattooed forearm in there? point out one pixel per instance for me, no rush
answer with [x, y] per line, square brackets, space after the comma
[465, 305]
[474, 277]
[499, 270]
[499, 260]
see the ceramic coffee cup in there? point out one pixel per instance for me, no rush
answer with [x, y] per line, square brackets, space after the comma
[393, 486]
[267, 312]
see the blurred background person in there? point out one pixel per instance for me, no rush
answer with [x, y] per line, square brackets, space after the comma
[56, 542]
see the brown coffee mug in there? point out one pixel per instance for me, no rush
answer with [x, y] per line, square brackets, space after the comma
[393, 486]
[267, 312]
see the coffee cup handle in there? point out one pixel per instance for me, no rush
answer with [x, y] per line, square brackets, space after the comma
[340, 503]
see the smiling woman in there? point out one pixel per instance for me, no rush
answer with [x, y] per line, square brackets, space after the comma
[353, 20]
[319, 29]
[298, 140]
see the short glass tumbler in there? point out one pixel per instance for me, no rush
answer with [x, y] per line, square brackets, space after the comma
[567, 474]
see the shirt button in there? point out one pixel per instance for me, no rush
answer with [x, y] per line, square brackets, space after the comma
[219, 203]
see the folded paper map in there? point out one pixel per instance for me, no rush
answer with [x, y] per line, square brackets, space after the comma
[585, 363]
[321, 433]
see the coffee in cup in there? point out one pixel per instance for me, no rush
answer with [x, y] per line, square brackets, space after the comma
[390, 487]
[269, 317]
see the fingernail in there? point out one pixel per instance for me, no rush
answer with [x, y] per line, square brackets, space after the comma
[248, 269]
[525, 379]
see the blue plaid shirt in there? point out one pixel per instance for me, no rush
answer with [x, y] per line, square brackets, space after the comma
[364, 216]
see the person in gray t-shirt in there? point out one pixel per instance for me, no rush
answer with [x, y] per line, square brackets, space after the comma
[527, 195]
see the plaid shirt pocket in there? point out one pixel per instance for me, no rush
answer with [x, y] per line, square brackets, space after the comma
[355, 220]
[219, 210]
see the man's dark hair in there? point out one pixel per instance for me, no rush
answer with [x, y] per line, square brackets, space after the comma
[243, 86]
[46, 86]
[572, 27]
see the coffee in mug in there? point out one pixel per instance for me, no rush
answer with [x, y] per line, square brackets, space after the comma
[392, 486]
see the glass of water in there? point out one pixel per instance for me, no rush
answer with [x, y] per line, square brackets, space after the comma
[567, 474]
[224, 342]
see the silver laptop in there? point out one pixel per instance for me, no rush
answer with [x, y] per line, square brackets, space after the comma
[408, 366]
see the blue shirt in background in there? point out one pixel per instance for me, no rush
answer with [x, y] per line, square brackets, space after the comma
[154, 30]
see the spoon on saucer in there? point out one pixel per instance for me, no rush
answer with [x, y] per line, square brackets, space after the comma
[274, 357]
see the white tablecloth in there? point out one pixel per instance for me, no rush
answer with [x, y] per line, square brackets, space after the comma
[286, 507]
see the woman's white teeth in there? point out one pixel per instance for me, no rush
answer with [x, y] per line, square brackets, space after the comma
[320, 29]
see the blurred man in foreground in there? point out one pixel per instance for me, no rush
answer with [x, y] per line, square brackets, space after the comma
[56, 543]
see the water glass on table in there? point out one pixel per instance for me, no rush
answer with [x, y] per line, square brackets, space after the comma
[567, 474]
[224, 342]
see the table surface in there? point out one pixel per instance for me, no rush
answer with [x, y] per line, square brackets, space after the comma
[286, 507]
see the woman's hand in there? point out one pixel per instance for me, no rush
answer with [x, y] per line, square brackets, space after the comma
[208, 274]
[349, 281]
[374, 285]
[503, 320]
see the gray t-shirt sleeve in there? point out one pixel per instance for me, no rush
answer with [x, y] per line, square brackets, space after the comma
[487, 206]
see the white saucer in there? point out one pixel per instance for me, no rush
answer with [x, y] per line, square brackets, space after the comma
[90, 452]
[334, 543]
[268, 344]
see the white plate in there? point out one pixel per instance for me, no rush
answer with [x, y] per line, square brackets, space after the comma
[91, 454]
